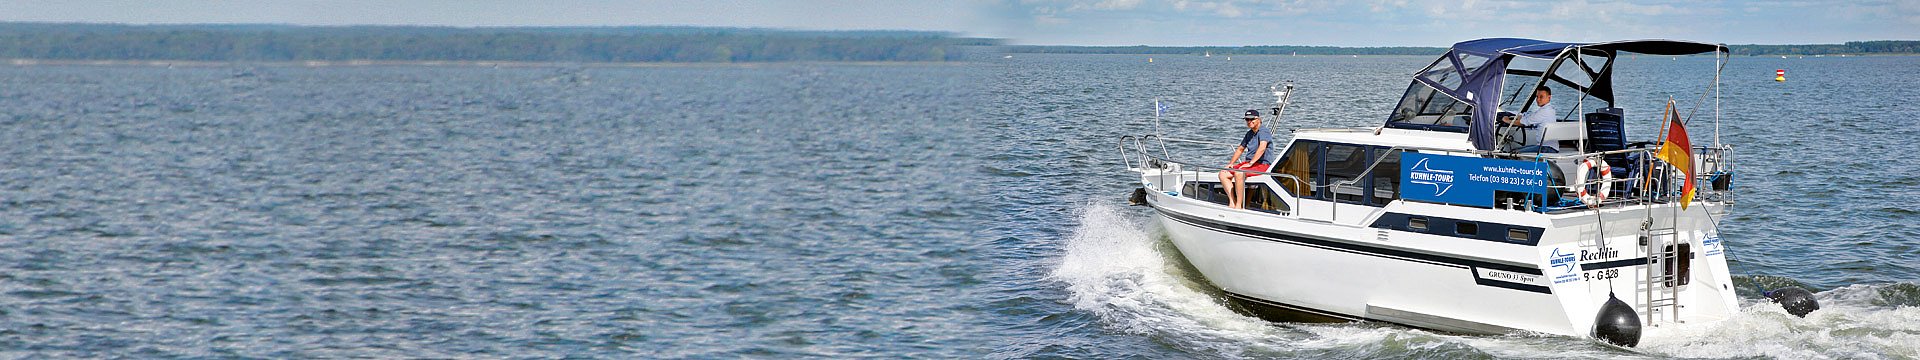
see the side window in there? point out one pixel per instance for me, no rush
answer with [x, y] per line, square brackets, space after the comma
[1205, 191]
[1299, 161]
[1386, 177]
[1263, 199]
[1344, 164]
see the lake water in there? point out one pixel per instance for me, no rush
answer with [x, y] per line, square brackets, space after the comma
[785, 210]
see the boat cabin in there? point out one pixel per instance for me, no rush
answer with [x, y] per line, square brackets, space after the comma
[1452, 107]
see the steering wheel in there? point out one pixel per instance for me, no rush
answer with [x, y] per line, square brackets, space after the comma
[1505, 132]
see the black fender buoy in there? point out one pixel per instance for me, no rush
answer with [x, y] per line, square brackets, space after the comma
[1139, 197]
[1797, 301]
[1617, 323]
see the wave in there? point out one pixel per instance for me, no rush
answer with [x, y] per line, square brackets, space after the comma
[1119, 268]
[1861, 320]
[1114, 269]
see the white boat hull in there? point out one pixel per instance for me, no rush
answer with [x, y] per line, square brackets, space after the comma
[1356, 268]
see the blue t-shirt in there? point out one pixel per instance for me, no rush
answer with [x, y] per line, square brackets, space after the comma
[1252, 143]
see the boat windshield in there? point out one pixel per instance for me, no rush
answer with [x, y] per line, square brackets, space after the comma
[1425, 108]
[1467, 83]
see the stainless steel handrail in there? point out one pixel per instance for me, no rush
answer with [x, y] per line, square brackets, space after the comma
[1714, 159]
[1196, 141]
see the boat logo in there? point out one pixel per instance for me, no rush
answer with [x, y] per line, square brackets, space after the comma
[1712, 245]
[1559, 259]
[1442, 180]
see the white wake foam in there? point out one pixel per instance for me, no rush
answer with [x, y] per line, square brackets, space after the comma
[1117, 268]
[1113, 270]
[1848, 325]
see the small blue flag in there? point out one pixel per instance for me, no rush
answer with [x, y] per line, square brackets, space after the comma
[1159, 108]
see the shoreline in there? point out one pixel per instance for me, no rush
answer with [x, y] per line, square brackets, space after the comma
[447, 63]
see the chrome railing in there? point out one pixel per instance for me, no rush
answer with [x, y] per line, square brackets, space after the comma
[1655, 181]
[1649, 179]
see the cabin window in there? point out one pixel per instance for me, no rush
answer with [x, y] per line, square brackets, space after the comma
[1204, 191]
[1259, 196]
[1386, 176]
[1468, 228]
[1517, 235]
[1344, 164]
[1299, 162]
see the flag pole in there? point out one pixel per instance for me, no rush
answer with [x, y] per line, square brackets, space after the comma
[1718, 65]
[1156, 117]
[1665, 118]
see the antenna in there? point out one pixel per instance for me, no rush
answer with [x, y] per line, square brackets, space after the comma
[1282, 94]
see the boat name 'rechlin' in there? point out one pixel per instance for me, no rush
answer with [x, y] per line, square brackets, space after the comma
[1603, 253]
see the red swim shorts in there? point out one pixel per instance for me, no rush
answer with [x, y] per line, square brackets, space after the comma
[1252, 167]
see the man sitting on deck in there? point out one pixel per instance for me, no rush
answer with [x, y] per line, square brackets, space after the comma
[1256, 158]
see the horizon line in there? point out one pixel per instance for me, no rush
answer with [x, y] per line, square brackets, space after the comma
[947, 33]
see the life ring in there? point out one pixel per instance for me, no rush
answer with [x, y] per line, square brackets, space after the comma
[1580, 179]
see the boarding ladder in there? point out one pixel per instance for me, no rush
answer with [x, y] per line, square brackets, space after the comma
[1666, 272]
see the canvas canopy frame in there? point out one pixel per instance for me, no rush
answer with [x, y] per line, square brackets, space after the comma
[1472, 74]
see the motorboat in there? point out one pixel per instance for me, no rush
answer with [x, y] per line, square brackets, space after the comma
[1445, 217]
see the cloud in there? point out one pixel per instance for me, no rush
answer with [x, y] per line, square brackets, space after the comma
[1222, 8]
[1198, 8]
[1117, 4]
[1407, 22]
[1382, 6]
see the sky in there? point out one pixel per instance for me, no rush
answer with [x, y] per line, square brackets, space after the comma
[1084, 22]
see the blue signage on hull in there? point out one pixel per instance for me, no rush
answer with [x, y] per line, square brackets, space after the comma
[1470, 181]
[1562, 260]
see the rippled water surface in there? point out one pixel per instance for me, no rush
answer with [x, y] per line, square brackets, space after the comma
[832, 210]
[456, 212]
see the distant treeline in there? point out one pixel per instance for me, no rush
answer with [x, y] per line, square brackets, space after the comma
[413, 43]
[1852, 47]
[1227, 50]
[45, 41]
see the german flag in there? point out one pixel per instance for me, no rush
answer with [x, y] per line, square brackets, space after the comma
[1676, 150]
